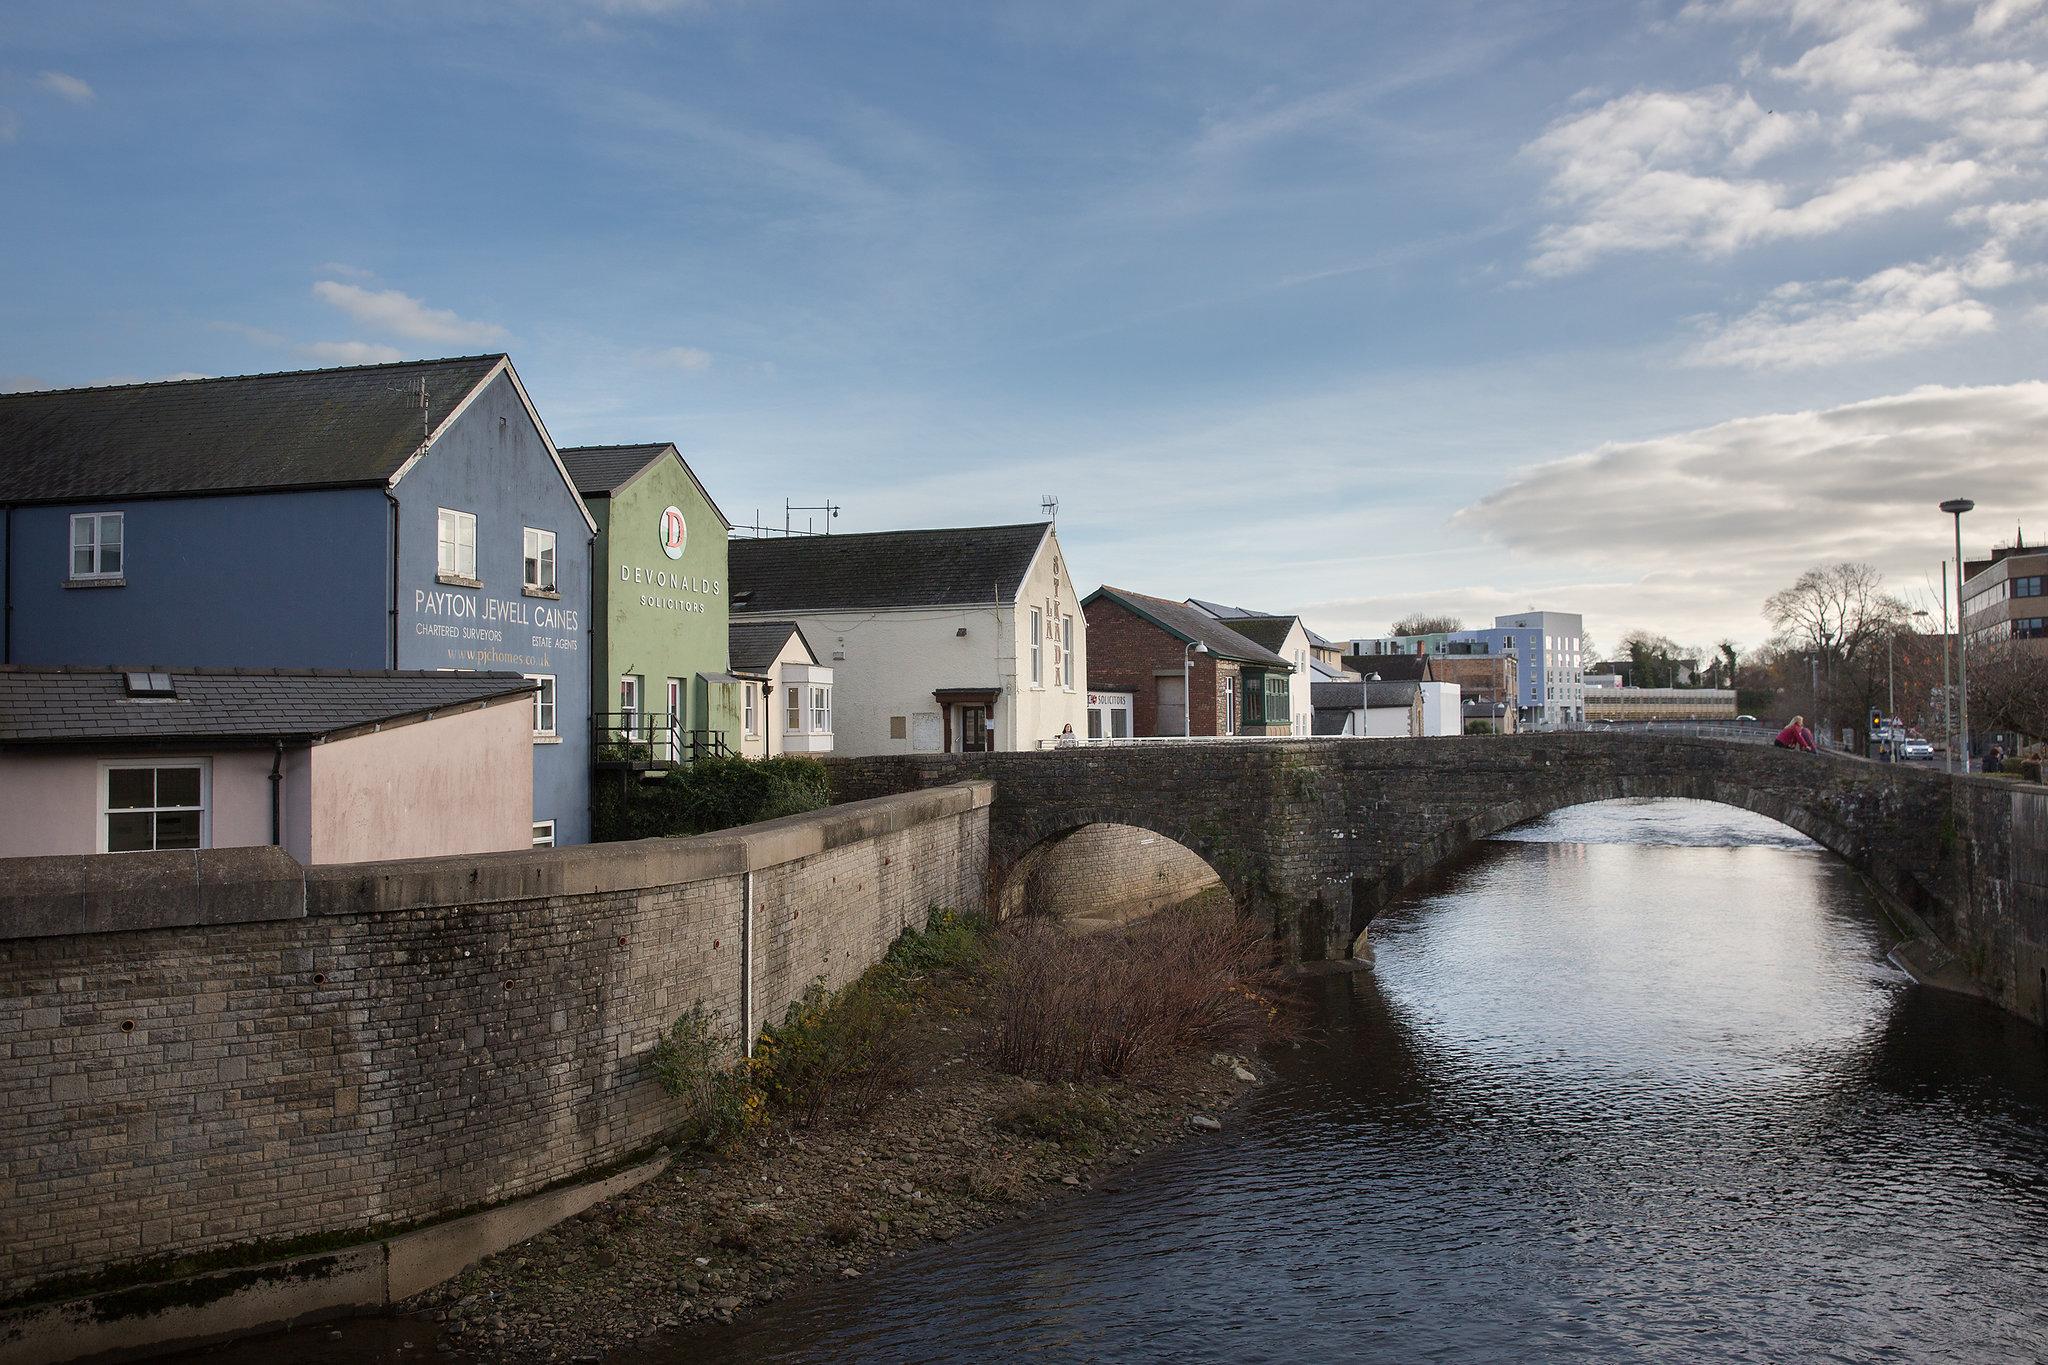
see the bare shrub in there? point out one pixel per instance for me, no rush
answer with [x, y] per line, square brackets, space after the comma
[1114, 1004]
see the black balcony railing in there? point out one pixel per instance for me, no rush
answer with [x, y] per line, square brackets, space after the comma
[652, 739]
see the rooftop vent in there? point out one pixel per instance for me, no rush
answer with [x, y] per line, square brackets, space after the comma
[150, 685]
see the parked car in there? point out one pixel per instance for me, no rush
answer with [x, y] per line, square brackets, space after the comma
[1916, 748]
[1747, 718]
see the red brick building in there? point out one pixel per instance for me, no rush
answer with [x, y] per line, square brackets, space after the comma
[1153, 647]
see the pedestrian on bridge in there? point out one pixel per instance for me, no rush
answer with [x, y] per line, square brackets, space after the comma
[1796, 736]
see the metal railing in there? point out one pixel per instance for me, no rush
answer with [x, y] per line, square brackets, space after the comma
[651, 739]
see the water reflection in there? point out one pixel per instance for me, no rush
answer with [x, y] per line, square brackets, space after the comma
[1637, 1083]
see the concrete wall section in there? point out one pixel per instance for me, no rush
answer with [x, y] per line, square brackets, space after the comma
[377, 1045]
[1107, 872]
[462, 780]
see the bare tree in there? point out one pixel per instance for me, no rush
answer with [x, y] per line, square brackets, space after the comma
[1426, 623]
[1837, 611]
[1840, 617]
[2009, 687]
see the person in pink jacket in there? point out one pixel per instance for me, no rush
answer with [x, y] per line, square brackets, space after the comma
[1796, 736]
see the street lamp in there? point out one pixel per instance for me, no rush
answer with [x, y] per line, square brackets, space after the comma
[1187, 699]
[1955, 507]
[1948, 698]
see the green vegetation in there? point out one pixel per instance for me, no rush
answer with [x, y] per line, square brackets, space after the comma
[833, 1056]
[1074, 1117]
[710, 794]
[1478, 727]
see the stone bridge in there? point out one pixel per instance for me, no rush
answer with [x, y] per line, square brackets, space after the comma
[1318, 835]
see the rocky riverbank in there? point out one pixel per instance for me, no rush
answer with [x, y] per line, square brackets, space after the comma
[954, 1146]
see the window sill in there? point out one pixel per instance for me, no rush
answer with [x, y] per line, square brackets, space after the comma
[96, 582]
[549, 593]
[547, 739]
[456, 580]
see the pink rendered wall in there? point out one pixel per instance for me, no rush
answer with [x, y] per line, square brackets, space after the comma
[49, 803]
[459, 783]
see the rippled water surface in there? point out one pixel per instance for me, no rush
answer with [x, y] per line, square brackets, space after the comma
[1636, 1084]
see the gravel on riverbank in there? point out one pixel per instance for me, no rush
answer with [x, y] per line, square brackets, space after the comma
[958, 1147]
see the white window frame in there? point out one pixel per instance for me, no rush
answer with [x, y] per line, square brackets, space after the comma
[1067, 652]
[205, 767]
[455, 538]
[821, 709]
[1037, 646]
[543, 840]
[543, 703]
[632, 706]
[793, 711]
[750, 710]
[537, 559]
[96, 544]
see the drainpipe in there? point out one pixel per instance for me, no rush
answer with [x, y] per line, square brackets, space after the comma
[7, 571]
[747, 962]
[393, 654]
[276, 788]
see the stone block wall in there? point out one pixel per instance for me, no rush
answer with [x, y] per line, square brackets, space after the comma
[378, 1045]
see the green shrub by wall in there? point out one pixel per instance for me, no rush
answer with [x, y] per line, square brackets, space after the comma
[710, 794]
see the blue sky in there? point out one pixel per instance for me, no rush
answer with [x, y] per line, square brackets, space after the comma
[1634, 309]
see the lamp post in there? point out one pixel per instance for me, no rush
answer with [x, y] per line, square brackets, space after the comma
[1187, 696]
[1955, 507]
[1948, 714]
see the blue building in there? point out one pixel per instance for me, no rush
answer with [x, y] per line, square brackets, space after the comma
[1547, 646]
[408, 516]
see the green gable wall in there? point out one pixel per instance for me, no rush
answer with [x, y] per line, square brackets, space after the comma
[656, 617]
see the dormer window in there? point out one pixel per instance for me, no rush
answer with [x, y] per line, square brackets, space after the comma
[96, 545]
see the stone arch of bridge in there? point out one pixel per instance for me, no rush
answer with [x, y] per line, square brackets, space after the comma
[1024, 850]
[1459, 837]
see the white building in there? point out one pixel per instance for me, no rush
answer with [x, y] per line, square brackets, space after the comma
[786, 706]
[1291, 639]
[964, 639]
[1369, 710]
[1442, 709]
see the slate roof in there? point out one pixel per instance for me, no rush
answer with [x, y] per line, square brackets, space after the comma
[304, 429]
[1233, 614]
[1192, 625]
[1390, 667]
[1351, 696]
[755, 644]
[1330, 720]
[78, 705]
[1270, 631]
[600, 471]
[955, 566]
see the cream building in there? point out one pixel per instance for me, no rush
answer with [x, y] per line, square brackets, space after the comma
[963, 639]
[787, 704]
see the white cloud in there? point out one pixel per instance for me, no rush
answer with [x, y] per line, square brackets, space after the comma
[1905, 308]
[67, 87]
[401, 314]
[1745, 505]
[689, 359]
[1998, 15]
[350, 352]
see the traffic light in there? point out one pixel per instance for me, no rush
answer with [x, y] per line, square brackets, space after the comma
[1876, 719]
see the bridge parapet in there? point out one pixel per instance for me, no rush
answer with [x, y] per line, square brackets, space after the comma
[1319, 834]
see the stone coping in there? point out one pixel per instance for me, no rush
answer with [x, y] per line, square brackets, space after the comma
[100, 893]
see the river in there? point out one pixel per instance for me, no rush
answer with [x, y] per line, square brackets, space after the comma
[1635, 1083]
